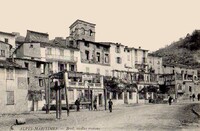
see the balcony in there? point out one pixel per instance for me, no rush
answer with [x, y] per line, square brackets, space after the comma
[62, 58]
[82, 85]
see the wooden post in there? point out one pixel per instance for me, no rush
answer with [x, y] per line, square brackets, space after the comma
[46, 96]
[57, 105]
[57, 98]
[48, 89]
[105, 97]
[66, 91]
[91, 99]
[60, 103]
[89, 96]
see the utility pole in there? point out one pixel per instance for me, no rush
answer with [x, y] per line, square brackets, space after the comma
[57, 97]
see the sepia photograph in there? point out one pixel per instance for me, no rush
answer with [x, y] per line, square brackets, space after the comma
[104, 65]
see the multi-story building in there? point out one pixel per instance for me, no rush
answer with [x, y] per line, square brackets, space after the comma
[179, 82]
[13, 79]
[155, 64]
[28, 55]
[110, 59]
[8, 38]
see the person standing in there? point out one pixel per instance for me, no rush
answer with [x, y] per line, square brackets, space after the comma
[110, 103]
[193, 97]
[95, 104]
[77, 103]
[170, 100]
[198, 96]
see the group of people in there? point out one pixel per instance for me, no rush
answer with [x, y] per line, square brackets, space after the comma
[77, 103]
[192, 97]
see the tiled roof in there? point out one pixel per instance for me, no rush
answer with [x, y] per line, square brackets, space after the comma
[36, 36]
[77, 21]
[11, 34]
[58, 42]
[9, 64]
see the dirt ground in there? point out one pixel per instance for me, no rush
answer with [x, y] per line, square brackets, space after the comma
[178, 116]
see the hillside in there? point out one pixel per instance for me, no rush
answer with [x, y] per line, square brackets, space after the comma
[184, 53]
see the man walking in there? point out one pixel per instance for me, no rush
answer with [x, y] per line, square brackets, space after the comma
[77, 103]
[193, 97]
[110, 103]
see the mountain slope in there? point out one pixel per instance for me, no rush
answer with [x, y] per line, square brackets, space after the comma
[184, 53]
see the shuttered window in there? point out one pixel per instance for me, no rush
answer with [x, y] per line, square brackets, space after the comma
[10, 97]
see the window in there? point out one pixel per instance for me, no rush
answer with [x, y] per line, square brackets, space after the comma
[40, 82]
[61, 67]
[119, 61]
[82, 31]
[31, 46]
[87, 69]
[26, 65]
[90, 32]
[106, 58]
[98, 57]
[38, 64]
[72, 68]
[190, 89]
[117, 49]
[3, 53]
[10, 98]
[10, 74]
[49, 51]
[114, 95]
[61, 52]
[98, 71]
[120, 95]
[86, 44]
[6, 40]
[87, 54]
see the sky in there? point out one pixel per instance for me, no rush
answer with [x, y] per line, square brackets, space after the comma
[150, 24]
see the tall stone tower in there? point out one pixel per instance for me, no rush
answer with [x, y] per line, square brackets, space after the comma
[82, 30]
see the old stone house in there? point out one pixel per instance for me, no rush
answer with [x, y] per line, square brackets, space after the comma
[13, 79]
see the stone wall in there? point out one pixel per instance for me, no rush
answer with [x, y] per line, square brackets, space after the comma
[20, 104]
